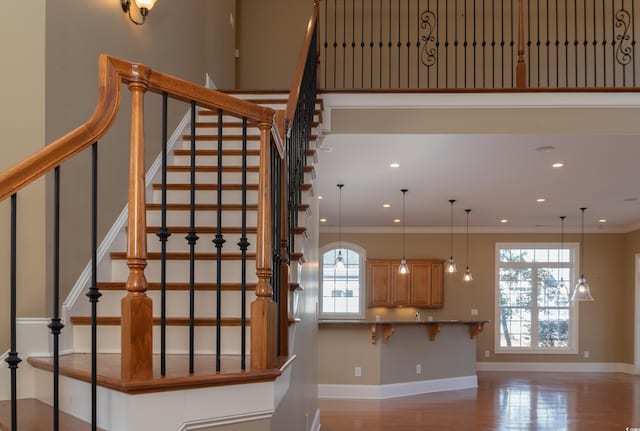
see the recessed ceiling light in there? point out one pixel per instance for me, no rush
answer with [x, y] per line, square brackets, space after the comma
[602, 220]
[630, 199]
[546, 148]
[557, 165]
[540, 200]
[504, 220]
[319, 197]
[323, 220]
[396, 220]
[394, 165]
[386, 205]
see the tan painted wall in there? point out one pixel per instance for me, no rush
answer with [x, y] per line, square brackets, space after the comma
[602, 323]
[632, 248]
[269, 62]
[298, 408]
[22, 115]
[185, 39]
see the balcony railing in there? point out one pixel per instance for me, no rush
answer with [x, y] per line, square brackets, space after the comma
[478, 44]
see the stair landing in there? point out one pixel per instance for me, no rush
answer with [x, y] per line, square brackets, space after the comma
[78, 366]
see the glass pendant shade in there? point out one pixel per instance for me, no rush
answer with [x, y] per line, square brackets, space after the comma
[451, 266]
[339, 261]
[581, 291]
[145, 4]
[403, 269]
[467, 275]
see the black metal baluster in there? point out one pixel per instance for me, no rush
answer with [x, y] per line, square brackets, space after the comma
[455, 46]
[344, 43]
[408, 43]
[557, 44]
[595, 46]
[353, 44]
[390, 45]
[548, 48]
[604, 47]
[362, 44]
[493, 44]
[371, 44]
[511, 45]
[335, 44]
[624, 66]
[633, 40]
[446, 44]
[219, 243]
[399, 43]
[94, 293]
[380, 44]
[475, 44]
[613, 44]
[192, 238]
[484, 44]
[418, 48]
[437, 70]
[529, 41]
[575, 35]
[243, 244]
[326, 43]
[585, 43]
[275, 239]
[566, 43]
[13, 359]
[56, 324]
[502, 65]
[465, 43]
[538, 42]
[163, 236]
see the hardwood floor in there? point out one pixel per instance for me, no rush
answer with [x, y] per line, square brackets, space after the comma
[502, 401]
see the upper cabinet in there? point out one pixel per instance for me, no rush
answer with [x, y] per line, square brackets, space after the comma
[422, 287]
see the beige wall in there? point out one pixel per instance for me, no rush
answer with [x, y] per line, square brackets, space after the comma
[269, 63]
[22, 115]
[629, 300]
[185, 39]
[603, 323]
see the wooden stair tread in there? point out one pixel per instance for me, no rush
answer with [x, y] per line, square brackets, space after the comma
[174, 255]
[214, 124]
[186, 186]
[187, 152]
[179, 286]
[78, 366]
[203, 229]
[171, 321]
[202, 207]
[201, 168]
[224, 137]
[34, 415]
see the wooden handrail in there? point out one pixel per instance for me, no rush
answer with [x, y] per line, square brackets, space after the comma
[112, 72]
[300, 66]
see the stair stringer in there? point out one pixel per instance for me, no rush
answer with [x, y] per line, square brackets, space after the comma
[113, 240]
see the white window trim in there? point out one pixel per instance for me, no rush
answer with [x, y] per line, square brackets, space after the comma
[363, 282]
[574, 319]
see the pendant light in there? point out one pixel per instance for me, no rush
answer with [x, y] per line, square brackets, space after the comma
[403, 268]
[581, 292]
[451, 267]
[563, 285]
[467, 271]
[339, 258]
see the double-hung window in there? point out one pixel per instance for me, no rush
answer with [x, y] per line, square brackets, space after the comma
[534, 313]
[342, 287]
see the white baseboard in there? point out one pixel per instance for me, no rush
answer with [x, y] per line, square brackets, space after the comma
[380, 392]
[315, 425]
[564, 367]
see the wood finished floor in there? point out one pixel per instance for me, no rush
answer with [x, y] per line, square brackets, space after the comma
[502, 401]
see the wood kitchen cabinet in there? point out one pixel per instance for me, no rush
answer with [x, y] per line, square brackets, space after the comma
[422, 287]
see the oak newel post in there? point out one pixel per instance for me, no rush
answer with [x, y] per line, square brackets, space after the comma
[137, 319]
[263, 309]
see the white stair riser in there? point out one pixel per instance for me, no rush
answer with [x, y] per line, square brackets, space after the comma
[177, 243]
[228, 144]
[211, 177]
[178, 303]
[213, 160]
[232, 130]
[203, 218]
[178, 271]
[205, 196]
[177, 339]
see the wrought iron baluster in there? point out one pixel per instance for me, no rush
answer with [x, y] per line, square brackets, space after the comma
[353, 44]
[595, 46]
[344, 43]
[192, 238]
[566, 43]
[219, 243]
[94, 294]
[502, 45]
[380, 45]
[243, 244]
[163, 235]
[557, 45]
[604, 47]
[585, 44]
[529, 40]
[399, 42]
[326, 43]
[390, 45]
[466, 42]
[362, 44]
[512, 45]
[13, 359]
[493, 44]
[56, 324]
[446, 45]
[475, 44]
[371, 44]
[455, 46]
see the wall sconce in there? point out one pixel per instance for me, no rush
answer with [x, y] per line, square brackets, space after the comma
[143, 5]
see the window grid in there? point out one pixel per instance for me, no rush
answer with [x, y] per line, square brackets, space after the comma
[533, 309]
[341, 290]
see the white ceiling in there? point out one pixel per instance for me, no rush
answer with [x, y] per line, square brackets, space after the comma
[497, 176]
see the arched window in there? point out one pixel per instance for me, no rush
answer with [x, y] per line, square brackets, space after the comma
[342, 290]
